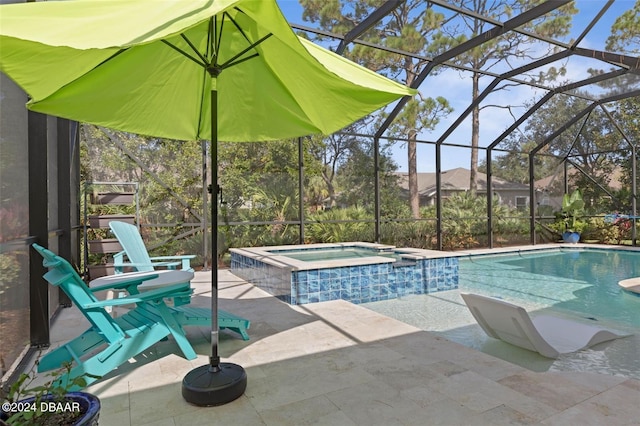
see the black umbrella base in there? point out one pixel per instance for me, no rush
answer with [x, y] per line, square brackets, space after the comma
[210, 385]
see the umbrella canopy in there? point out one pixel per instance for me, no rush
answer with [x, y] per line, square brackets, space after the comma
[141, 66]
[229, 70]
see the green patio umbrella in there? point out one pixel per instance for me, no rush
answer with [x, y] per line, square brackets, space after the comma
[230, 70]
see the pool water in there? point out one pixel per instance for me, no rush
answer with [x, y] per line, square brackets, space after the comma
[583, 283]
[578, 284]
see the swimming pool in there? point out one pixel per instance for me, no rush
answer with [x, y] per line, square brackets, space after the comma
[576, 283]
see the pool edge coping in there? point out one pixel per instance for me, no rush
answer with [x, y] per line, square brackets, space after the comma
[270, 256]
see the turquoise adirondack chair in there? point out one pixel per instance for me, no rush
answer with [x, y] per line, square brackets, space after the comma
[137, 254]
[110, 342]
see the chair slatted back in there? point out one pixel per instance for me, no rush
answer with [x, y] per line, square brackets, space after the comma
[61, 274]
[132, 244]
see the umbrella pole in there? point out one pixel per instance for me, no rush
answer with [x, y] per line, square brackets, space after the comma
[215, 383]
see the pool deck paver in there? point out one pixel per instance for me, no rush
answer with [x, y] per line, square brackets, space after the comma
[335, 363]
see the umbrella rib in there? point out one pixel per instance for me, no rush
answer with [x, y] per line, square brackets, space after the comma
[211, 48]
[217, 38]
[239, 61]
[182, 52]
[195, 50]
[112, 56]
[238, 26]
[231, 62]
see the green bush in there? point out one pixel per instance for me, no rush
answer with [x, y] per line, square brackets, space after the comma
[416, 234]
[608, 233]
[339, 225]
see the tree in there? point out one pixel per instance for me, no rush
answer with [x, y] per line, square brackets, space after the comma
[356, 179]
[627, 114]
[625, 32]
[416, 116]
[592, 144]
[315, 192]
[625, 37]
[168, 195]
[513, 166]
[332, 152]
[259, 178]
[505, 50]
[600, 147]
[409, 27]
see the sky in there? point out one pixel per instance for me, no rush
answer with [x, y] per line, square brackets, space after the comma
[456, 87]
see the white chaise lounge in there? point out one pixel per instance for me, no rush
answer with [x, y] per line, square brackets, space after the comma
[550, 336]
[631, 284]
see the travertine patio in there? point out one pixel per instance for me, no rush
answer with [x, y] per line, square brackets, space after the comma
[336, 363]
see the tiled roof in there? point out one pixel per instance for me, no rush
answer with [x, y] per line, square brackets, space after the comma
[457, 179]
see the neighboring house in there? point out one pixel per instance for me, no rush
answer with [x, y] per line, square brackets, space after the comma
[457, 181]
[549, 189]
[549, 192]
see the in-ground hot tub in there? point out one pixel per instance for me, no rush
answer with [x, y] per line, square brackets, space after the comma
[357, 272]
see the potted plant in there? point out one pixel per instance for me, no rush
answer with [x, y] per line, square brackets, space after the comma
[51, 403]
[572, 211]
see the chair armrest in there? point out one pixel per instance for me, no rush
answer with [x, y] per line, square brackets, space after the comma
[169, 264]
[118, 263]
[185, 259]
[118, 258]
[175, 290]
[135, 281]
[185, 256]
